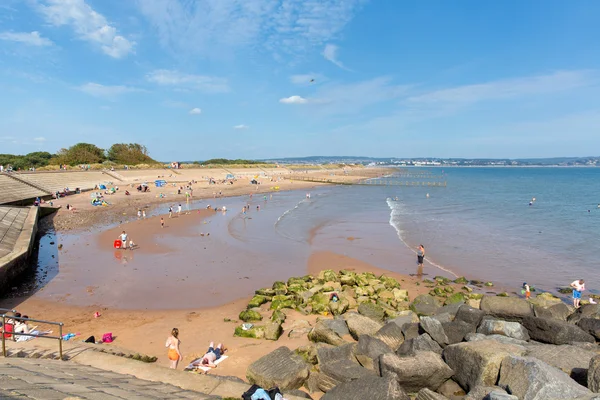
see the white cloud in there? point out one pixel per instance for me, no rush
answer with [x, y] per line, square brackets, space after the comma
[32, 38]
[39, 139]
[88, 25]
[510, 88]
[98, 90]
[330, 54]
[195, 111]
[293, 100]
[242, 126]
[180, 80]
[281, 27]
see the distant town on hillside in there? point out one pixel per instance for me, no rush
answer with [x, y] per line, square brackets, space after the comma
[435, 162]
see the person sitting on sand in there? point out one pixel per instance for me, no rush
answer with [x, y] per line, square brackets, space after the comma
[173, 345]
[23, 327]
[212, 355]
[578, 287]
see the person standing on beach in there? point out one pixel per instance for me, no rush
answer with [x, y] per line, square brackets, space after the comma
[123, 237]
[144, 214]
[179, 209]
[420, 255]
[170, 211]
[173, 345]
[578, 287]
[139, 213]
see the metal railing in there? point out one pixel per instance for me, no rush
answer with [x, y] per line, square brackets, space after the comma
[14, 334]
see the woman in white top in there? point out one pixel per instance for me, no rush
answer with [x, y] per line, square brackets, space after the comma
[173, 345]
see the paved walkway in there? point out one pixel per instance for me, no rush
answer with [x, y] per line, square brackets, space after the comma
[58, 380]
[11, 225]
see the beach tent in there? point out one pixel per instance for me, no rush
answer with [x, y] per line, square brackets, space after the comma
[160, 183]
[103, 187]
[230, 176]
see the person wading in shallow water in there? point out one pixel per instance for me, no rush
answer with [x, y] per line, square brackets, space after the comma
[173, 345]
[420, 258]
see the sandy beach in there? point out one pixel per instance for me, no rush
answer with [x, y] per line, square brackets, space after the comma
[177, 276]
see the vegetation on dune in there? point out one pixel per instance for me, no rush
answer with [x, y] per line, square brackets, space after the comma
[132, 153]
[221, 161]
[36, 159]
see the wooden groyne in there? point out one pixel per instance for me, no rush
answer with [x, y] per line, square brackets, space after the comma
[395, 181]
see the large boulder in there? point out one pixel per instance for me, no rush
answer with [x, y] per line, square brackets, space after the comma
[318, 381]
[412, 330]
[555, 332]
[282, 368]
[545, 299]
[531, 379]
[572, 360]
[509, 308]
[451, 390]
[422, 342]
[250, 316]
[273, 330]
[345, 370]
[591, 326]
[457, 330]
[593, 376]
[424, 305]
[557, 311]
[478, 363]
[372, 388]
[391, 334]
[405, 317]
[498, 327]
[425, 369]
[426, 394]
[373, 311]
[328, 354]
[368, 351]
[323, 333]
[485, 393]
[435, 329]
[470, 315]
[360, 325]
[474, 337]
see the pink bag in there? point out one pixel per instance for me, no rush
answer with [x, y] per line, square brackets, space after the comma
[107, 338]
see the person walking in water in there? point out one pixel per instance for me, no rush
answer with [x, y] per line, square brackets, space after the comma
[420, 255]
[578, 287]
[173, 345]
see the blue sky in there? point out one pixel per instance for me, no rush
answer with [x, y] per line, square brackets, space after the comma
[196, 79]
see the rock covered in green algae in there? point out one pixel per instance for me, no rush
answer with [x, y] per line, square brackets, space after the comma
[348, 279]
[488, 284]
[461, 280]
[268, 292]
[455, 298]
[327, 275]
[442, 280]
[373, 311]
[278, 316]
[319, 303]
[280, 288]
[250, 316]
[424, 305]
[257, 301]
[280, 301]
[256, 332]
[338, 307]
[273, 330]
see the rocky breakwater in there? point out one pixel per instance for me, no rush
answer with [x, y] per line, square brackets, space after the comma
[504, 348]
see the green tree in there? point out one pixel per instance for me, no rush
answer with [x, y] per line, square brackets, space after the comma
[81, 153]
[132, 153]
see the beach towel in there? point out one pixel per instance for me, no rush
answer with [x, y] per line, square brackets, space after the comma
[191, 367]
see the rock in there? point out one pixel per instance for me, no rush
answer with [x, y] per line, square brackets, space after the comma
[349, 279]
[426, 394]
[273, 330]
[425, 369]
[308, 353]
[390, 283]
[423, 342]
[545, 299]
[532, 379]
[500, 395]
[411, 331]
[474, 337]
[400, 294]
[405, 317]
[250, 316]
[327, 354]
[498, 327]
[443, 317]
[319, 303]
[469, 315]
[280, 368]
[483, 392]
[451, 390]
[281, 301]
[391, 334]
[256, 332]
[461, 280]
[557, 311]
[338, 307]
[323, 382]
[509, 308]
[257, 301]
[327, 275]
[473, 302]
[591, 326]
[372, 311]
[457, 330]
[434, 328]
[372, 388]
[368, 351]
[449, 309]
[478, 363]
[572, 360]
[268, 292]
[555, 332]
[280, 288]
[339, 326]
[593, 376]
[361, 325]
[424, 305]
[324, 334]
[345, 370]
[278, 316]
[297, 393]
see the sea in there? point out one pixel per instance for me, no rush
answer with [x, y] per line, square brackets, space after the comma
[507, 225]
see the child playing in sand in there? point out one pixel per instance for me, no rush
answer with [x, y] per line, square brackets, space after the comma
[578, 287]
[131, 244]
[526, 290]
